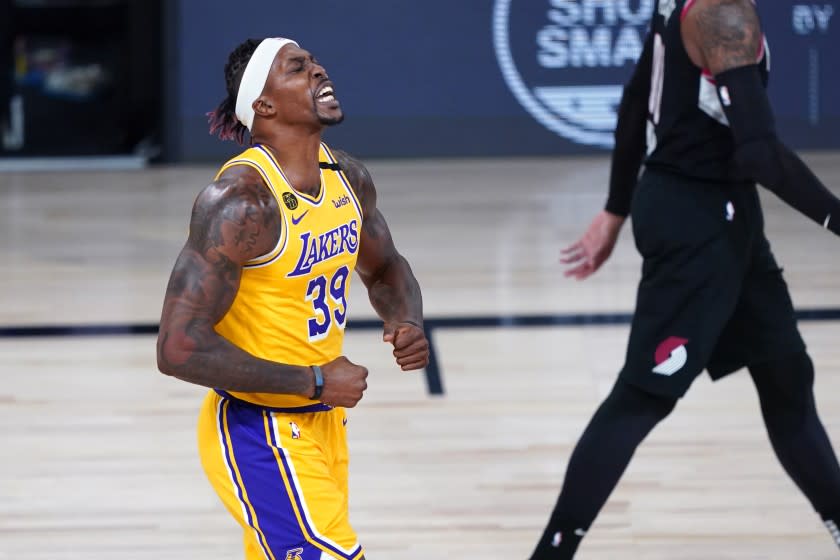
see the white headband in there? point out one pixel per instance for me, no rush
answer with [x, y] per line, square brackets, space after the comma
[254, 77]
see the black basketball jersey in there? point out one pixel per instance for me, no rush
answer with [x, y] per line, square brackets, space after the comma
[687, 130]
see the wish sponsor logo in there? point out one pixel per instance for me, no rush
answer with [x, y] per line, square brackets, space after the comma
[320, 248]
[341, 201]
[566, 61]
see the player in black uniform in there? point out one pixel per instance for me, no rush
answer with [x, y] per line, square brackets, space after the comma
[711, 295]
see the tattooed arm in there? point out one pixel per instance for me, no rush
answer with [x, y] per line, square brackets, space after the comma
[234, 220]
[393, 290]
[725, 37]
[720, 35]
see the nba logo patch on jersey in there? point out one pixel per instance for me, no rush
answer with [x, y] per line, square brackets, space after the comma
[294, 554]
[724, 96]
[295, 433]
[557, 539]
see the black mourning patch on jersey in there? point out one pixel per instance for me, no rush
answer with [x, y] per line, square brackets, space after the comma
[290, 200]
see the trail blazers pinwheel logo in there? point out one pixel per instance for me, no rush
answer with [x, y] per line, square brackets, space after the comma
[670, 356]
[566, 61]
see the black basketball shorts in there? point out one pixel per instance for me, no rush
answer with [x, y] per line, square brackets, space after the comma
[711, 294]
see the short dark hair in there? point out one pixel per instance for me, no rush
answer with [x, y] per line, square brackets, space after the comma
[223, 121]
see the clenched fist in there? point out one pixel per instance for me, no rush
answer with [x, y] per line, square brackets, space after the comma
[411, 349]
[344, 382]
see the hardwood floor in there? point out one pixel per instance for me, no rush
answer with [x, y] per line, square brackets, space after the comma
[99, 456]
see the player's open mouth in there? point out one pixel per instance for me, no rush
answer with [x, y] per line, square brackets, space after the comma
[325, 95]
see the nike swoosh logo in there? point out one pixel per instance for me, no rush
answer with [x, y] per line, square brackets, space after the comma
[296, 221]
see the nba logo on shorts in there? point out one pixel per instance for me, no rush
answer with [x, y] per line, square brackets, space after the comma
[566, 61]
[295, 430]
[294, 554]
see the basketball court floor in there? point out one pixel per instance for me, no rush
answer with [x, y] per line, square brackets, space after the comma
[98, 457]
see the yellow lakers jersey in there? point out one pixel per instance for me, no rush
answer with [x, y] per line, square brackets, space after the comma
[291, 306]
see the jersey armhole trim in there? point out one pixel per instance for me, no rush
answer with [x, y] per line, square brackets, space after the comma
[278, 249]
[275, 253]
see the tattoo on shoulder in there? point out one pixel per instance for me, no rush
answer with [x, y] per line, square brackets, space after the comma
[730, 33]
[360, 180]
[236, 219]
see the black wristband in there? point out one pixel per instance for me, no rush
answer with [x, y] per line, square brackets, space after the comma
[319, 383]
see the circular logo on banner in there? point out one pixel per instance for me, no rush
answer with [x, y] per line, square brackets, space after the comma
[566, 61]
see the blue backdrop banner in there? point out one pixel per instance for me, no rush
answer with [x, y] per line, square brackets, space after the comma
[484, 77]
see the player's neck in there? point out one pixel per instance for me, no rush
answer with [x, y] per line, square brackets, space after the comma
[298, 155]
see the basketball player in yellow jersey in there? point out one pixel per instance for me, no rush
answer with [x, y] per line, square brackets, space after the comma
[257, 302]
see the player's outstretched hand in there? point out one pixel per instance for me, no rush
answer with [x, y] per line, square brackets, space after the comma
[411, 349]
[344, 382]
[585, 256]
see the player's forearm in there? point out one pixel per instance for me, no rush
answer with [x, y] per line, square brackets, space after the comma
[628, 153]
[777, 168]
[202, 357]
[395, 294]
[630, 136]
[761, 156]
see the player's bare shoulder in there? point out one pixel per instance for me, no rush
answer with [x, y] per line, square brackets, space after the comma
[360, 180]
[722, 34]
[235, 215]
